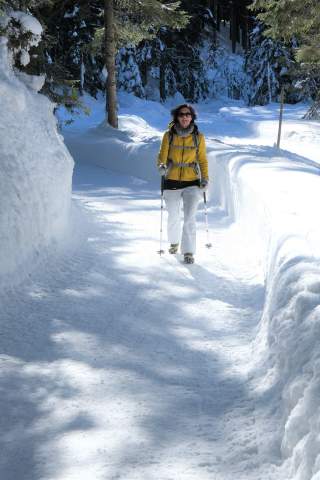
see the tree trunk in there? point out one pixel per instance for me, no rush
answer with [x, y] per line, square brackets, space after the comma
[245, 33]
[233, 25]
[110, 55]
[217, 12]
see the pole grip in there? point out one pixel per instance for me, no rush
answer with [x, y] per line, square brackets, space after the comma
[205, 197]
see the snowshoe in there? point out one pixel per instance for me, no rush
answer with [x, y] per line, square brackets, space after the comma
[173, 248]
[188, 258]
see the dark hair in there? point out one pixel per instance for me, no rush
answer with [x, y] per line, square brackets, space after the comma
[175, 111]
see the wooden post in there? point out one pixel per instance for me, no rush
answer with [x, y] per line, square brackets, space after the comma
[280, 116]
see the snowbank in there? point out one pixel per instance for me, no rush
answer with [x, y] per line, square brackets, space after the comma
[132, 149]
[274, 200]
[35, 172]
[116, 150]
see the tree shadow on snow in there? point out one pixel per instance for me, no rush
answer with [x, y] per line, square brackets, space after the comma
[101, 356]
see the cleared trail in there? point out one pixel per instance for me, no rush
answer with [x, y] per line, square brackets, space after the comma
[118, 364]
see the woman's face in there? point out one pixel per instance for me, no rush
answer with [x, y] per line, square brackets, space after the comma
[184, 117]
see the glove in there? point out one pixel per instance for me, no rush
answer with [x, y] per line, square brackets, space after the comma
[162, 169]
[204, 184]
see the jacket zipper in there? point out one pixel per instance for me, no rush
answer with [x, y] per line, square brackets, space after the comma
[182, 157]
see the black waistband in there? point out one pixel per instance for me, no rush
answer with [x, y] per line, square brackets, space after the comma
[178, 184]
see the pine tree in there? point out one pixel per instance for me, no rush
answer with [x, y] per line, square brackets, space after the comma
[226, 74]
[128, 73]
[74, 25]
[304, 24]
[133, 20]
[64, 55]
[269, 64]
[174, 61]
[299, 20]
[149, 59]
[21, 40]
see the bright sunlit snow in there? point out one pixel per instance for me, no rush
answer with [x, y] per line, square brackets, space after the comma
[35, 174]
[120, 364]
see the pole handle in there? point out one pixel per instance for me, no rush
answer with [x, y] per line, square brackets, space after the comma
[205, 197]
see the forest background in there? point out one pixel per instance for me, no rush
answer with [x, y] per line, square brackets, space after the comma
[161, 49]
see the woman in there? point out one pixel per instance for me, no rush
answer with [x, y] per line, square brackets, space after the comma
[183, 162]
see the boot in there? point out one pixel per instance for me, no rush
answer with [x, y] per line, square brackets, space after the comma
[188, 258]
[173, 248]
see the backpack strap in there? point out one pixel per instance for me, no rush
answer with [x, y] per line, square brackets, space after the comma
[170, 137]
[170, 134]
[196, 144]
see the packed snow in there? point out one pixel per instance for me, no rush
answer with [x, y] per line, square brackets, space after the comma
[137, 366]
[35, 174]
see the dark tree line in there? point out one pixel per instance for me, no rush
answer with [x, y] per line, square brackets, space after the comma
[96, 45]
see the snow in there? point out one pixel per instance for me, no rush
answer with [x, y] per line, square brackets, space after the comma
[35, 82]
[134, 366]
[104, 74]
[35, 176]
[128, 77]
[24, 58]
[28, 23]
[130, 357]
[224, 71]
[74, 12]
[4, 21]
[286, 346]
[265, 234]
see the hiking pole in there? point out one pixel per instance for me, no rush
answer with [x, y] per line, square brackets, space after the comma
[161, 251]
[208, 244]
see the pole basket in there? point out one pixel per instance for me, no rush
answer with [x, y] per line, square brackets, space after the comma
[161, 252]
[209, 245]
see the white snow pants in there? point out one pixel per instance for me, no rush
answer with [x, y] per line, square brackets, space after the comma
[191, 197]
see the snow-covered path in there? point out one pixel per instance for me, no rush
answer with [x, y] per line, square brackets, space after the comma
[118, 364]
[131, 366]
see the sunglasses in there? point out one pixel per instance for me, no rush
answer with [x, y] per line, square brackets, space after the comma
[184, 114]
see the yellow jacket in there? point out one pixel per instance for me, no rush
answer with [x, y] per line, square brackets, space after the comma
[183, 151]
